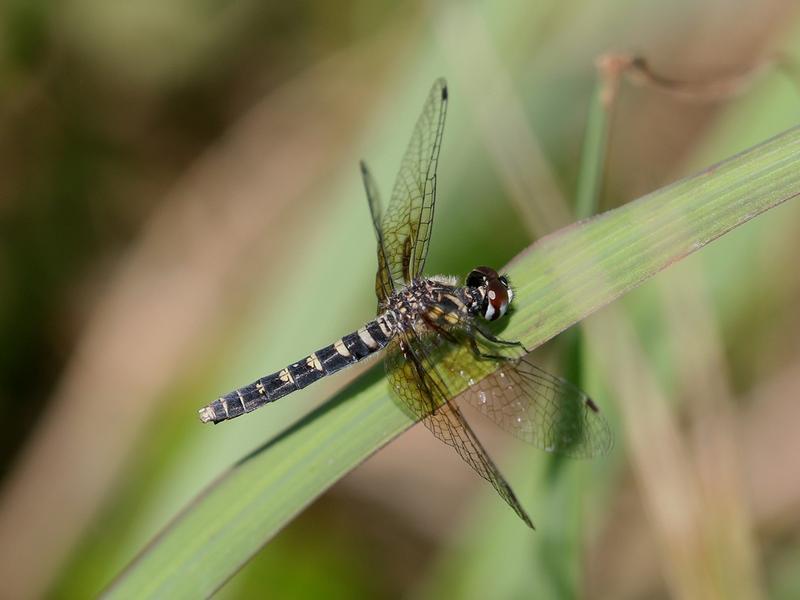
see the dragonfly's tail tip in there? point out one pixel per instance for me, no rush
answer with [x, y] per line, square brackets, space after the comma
[207, 415]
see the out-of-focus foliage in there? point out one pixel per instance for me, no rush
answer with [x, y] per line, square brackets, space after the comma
[180, 211]
[565, 277]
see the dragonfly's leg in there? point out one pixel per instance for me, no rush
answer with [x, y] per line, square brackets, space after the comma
[473, 345]
[496, 340]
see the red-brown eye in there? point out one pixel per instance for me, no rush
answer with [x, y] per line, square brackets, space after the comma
[496, 300]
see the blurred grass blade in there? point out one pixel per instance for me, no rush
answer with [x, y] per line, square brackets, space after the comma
[593, 155]
[560, 280]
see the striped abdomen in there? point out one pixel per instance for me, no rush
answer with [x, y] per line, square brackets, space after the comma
[330, 359]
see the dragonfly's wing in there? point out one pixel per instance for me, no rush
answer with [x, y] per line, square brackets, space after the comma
[539, 408]
[383, 279]
[407, 223]
[520, 397]
[424, 394]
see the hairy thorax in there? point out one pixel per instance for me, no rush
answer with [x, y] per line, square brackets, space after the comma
[436, 299]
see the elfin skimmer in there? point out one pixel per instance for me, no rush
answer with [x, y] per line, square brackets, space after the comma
[438, 348]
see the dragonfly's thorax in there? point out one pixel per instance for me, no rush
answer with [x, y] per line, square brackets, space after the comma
[428, 300]
[440, 302]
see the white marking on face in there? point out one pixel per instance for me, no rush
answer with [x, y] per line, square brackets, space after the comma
[341, 348]
[503, 308]
[492, 295]
[367, 338]
[489, 312]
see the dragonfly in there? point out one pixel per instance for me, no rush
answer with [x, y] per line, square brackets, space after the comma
[439, 350]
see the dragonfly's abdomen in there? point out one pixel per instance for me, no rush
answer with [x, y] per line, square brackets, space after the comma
[328, 360]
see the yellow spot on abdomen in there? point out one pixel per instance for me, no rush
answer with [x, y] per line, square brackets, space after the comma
[313, 362]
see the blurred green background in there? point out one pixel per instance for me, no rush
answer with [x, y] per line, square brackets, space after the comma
[181, 211]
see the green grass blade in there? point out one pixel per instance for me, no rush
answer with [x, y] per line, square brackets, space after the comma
[593, 155]
[560, 280]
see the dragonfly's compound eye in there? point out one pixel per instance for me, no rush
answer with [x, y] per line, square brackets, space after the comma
[495, 302]
[494, 290]
[478, 277]
[509, 290]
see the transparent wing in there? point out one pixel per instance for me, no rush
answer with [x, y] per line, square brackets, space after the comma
[383, 279]
[425, 396]
[540, 408]
[522, 398]
[407, 223]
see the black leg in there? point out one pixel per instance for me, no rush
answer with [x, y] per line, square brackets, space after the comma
[473, 345]
[496, 340]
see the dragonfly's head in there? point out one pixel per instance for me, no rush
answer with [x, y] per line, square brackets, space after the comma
[491, 292]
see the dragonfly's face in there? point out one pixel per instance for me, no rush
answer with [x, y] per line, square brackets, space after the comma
[494, 293]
